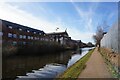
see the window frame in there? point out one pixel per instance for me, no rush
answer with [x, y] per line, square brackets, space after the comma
[10, 27]
[10, 35]
[20, 36]
[14, 35]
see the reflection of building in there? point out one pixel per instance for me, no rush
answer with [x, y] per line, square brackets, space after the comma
[18, 34]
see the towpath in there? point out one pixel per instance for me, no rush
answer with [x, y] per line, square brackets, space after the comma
[95, 67]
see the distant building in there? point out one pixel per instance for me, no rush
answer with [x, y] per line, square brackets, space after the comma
[63, 39]
[81, 44]
[60, 37]
[89, 44]
[17, 34]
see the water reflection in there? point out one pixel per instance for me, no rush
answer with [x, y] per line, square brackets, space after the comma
[49, 71]
[20, 65]
[75, 57]
[40, 66]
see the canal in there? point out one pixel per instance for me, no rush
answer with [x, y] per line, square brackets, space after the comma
[18, 66]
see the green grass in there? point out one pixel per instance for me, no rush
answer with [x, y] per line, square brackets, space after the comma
[75, 70]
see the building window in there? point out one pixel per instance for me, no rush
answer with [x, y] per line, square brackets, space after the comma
[10, 27]
[34, 32]
[14, 43]
[20, 43]
[20, 36]
[38, 38]
[31, 37]
[20, 29]
[1, 33]
[14, 35]
[35, 38]
[28, 37]
[39, 33]
[10, 35]
[42, 38]
[24, 36]
[28, 31]
[24, 43]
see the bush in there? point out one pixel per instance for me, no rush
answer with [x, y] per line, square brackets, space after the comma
[9, 50]
[36, 47]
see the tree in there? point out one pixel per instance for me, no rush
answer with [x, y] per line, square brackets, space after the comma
[99, 35]
[101, 30]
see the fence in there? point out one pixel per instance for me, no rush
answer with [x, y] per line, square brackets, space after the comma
[0, 49]
[112, 38]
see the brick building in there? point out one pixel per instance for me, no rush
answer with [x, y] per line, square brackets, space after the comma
[60, 37]
[17, 34]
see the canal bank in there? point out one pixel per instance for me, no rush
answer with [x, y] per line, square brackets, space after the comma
[112, 60]
[74, 70]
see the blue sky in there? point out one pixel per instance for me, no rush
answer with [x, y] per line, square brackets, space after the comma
[79, 18]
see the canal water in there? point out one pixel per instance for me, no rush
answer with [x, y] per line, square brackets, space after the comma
[44, 66]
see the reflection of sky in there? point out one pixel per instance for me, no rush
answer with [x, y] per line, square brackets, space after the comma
[77, 56]
[49, 71]
[74, 58]
[84, 49]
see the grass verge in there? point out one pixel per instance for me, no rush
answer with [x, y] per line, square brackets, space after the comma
[75, 70]
[111, 67]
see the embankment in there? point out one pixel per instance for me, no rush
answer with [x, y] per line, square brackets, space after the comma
[111, 59]
[74, 71]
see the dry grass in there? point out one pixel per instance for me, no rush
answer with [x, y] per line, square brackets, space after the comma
[111, 59]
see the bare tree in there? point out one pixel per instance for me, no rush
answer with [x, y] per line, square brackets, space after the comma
[98, 36]
[101, 30]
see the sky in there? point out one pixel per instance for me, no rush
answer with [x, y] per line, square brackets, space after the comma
[80, 19]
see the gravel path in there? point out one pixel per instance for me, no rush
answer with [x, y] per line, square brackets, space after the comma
[95, 67]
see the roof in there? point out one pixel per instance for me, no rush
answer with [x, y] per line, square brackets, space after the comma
[24, 28]
[57, 33]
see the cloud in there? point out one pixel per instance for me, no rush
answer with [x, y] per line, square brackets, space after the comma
[14, 14]
[86, 16]
[111, 15]
[59, 0]
[87, 20]
[78, 35]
